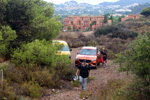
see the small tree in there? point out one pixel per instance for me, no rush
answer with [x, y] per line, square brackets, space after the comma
[106, 17]
[92, 24]
[137, 60]
[28, 20]
[7, 35]
[69, 28]
[74, 28]
[146, 12]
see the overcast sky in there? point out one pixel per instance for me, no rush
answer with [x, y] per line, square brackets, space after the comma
[81, 1]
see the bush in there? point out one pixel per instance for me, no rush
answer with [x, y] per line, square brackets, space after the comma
[7, 92]
[136, 60]
[62, 70]
[38, 53]
[18, 77]
[75, 83]
[32, 89]
[130, 19]
[137, 90]
[109, 91]
[27, 20]
[116, 31]
[7, 35]
[44, 77]
[146, 12]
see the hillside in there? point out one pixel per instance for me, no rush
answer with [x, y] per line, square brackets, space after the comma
[119, 7]
[124, 2]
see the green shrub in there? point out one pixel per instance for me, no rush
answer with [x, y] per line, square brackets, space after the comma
[7, 92]
[32, 89]
[109, 91]
[7, 35]
[130, 19]
[63, 70]
[36, 53]
[116, 31]
[146, 12]
[84, 94]
[93, 43]
[91, 78]
[136, 60]
[18, 77]
[27, 20]
[44, 77]
[75, 83]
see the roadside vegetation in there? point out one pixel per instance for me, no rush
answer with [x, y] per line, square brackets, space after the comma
[28, 57]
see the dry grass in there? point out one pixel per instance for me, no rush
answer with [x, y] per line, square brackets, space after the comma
[79, 39]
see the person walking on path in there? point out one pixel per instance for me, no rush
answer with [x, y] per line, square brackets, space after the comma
[104, 53]
[85, 72]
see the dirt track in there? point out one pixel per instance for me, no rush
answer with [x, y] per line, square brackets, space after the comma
[102, 75]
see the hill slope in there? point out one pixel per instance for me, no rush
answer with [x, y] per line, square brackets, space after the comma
[124, 2]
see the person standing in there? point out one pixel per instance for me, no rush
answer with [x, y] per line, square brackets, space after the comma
[85, 72]
[104, 54]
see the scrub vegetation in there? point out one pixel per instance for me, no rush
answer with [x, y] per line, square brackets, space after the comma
[27, 28]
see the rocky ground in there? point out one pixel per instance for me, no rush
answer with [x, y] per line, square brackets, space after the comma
[102, 74]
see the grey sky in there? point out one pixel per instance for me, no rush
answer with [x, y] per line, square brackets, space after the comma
[81, 1]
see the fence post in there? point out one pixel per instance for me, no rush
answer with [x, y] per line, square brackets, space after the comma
[2, 78]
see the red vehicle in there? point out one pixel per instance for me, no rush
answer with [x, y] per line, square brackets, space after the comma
[90, 54]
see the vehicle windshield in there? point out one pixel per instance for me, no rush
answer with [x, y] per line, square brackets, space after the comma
[64, 48]
[88, 52]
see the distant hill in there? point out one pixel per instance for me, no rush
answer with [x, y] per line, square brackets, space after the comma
[119, 7]
[124, 2]
[138, 9]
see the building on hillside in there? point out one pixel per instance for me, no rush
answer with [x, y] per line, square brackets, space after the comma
[83, 23]
[131, 16]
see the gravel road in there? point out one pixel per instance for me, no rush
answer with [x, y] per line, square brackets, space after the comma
[102, 75]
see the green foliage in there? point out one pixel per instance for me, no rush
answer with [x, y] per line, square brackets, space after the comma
[106, 17]
[93, 43]
[142, 18]
[92, 23]
[75, 83]
[116, 19]
[32, 89]
[69, 28]
[136, 59]
[7, 35]
[28, 20]
[130, 19]
[7, 92]
[137, 90]
[91, 78]
[84, 94]
[119, 19]
[37, 52]
[116, 31]
[146, 12]
[110, 90]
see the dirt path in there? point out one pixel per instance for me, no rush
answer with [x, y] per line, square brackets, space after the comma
[101, 74]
